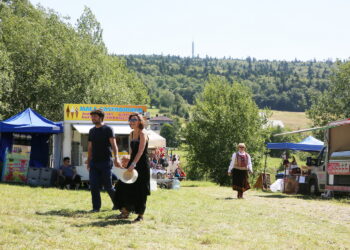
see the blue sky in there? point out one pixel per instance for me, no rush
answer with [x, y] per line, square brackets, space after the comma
[264, 29]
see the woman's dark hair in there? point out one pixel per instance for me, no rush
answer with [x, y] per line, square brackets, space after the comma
[98, 112]
[66, 158]
[140, 118]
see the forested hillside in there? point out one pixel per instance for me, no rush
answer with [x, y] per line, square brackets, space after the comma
[279, 85]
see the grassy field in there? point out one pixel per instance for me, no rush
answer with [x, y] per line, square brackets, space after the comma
[200, 215]
[292, 120]
[153, 112]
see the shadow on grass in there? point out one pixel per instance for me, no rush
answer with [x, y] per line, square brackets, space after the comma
[345, 202]
[82, 188]
[306, 197]
[226, 198]
[65, 213]
[14, 184]
[297, 196]
[191, 185]
[105, 223]
[279, 196]
[339, 199]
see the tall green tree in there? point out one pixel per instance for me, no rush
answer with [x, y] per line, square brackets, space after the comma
[333, 104]
[166, 98]
[53, 63]
[223, 116]
[169, 133]
[6, 80]
[180, 106]
[88, 27]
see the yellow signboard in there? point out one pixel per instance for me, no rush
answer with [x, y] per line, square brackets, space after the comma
[81, 112]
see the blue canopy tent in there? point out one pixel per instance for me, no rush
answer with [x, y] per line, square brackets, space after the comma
[308, 144]
[29, 122]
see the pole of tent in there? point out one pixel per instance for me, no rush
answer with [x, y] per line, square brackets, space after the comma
[264, 174]
[284, 178]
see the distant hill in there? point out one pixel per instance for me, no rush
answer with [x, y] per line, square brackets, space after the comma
[279, 85]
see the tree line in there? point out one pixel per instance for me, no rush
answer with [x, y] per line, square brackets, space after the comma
[278, 85]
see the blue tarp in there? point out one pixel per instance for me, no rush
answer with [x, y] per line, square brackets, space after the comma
[308, 144]
[28, 121]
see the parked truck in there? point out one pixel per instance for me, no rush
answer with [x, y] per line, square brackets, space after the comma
[337, 139]
[330, 171]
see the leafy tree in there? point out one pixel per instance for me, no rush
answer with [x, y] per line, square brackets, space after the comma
[223, 116]
[333, 104]
[53, 64]
[168, 131]
[88, 27]
[180, 106]
[6, 78]
[166, 98]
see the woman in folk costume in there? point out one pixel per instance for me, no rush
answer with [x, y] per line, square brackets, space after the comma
[239, 167]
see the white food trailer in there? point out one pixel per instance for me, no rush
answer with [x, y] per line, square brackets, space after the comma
[77, 123]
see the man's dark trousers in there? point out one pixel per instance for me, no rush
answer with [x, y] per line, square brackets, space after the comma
[100, 175]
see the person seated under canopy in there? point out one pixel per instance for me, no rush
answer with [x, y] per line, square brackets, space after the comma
[67, 175]
[293, 168]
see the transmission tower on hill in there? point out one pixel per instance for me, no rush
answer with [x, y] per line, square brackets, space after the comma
[192, 49]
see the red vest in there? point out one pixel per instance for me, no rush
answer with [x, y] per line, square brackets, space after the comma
[241, 160]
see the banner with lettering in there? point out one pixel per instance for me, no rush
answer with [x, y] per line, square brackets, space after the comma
[81, 112]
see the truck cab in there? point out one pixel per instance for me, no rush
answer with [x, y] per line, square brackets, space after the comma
[316, 181]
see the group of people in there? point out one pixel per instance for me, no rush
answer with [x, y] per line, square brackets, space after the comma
[179, 173]
[160, 159]
[158, 163]
[166, 165]
[132, 197]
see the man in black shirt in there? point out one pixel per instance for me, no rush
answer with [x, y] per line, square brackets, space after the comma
[100, 145]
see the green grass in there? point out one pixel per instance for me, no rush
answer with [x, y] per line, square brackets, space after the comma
[153, 111]
[292, 120]
[200, 215]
